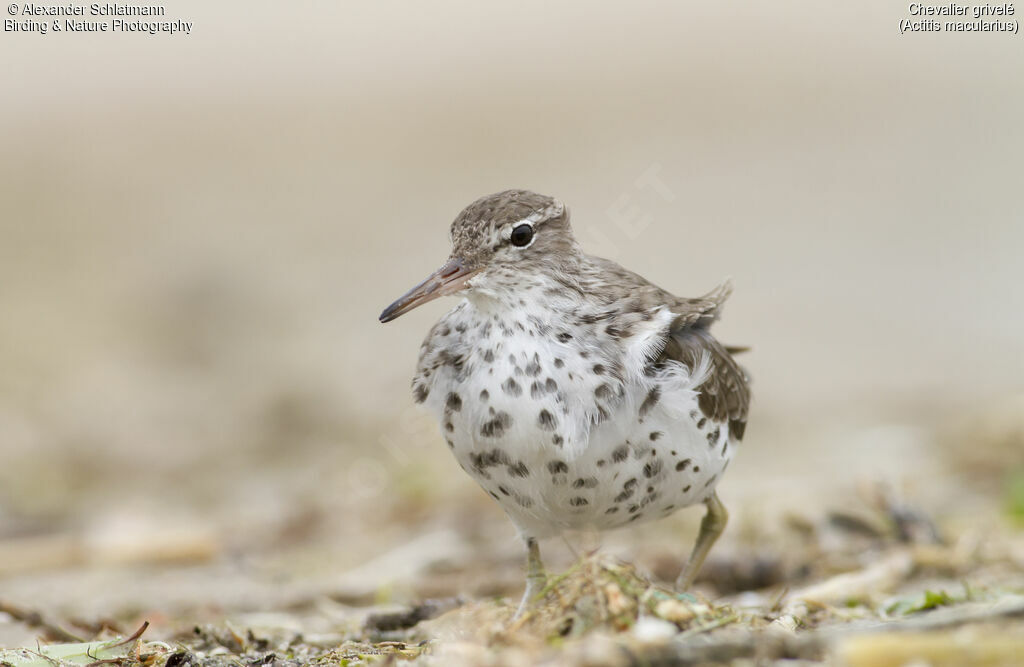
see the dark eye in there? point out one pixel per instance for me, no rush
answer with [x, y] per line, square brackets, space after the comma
[522, 235]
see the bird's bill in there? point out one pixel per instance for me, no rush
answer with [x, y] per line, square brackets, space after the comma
[449, 279]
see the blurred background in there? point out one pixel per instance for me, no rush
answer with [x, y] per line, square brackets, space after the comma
[199, 231]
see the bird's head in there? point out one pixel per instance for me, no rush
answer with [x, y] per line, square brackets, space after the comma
[498, 242]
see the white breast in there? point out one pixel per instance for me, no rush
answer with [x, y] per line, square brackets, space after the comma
[568, 432]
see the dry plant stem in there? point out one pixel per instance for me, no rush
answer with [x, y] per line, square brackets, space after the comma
[879, 577]
[135, 635]
[711, 527]
[34, 619]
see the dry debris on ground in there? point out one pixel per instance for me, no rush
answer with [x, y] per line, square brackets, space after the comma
[880, 586]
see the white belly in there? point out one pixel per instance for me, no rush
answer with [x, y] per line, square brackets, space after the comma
[561, 445]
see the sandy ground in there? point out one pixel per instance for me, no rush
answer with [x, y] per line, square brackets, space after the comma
[203, 424]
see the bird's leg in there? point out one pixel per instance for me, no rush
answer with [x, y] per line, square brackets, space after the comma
[535, 576]
[711, 527]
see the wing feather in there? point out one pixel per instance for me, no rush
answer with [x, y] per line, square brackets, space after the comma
[725, 394]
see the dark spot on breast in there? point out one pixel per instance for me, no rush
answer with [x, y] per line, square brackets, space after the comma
[696, 468]
[533, 368]
[454, 402]
[710, 481]
[484, 395]
[495, 426]
[655, 435]
[652, 468]
[578, 501]
[598, 369]
[556, 466]
[683, 465]
[484, 460]
[611, 510]
[504, 491]
[420, 393]
[620, 454]
[557, 440]
[523, 501]
[585, 482]
[489, 356]
[512, 387]
[686, 489]
[564, 337]
[519, 470]
[448, 427]
[446, 358]
[600, 463]
[546, 420]
[702, 422]
[652, 399]
[559, 363]
[603, 392]
[550, 385]
[713, 437]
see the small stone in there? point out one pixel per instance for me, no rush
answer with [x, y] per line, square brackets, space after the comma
[676, 611]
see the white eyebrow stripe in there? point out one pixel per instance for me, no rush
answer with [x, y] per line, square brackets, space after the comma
[553, 211]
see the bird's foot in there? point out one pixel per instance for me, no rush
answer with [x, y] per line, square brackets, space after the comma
[534, 587]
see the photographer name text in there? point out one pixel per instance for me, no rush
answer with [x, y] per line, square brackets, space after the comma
[94, 18]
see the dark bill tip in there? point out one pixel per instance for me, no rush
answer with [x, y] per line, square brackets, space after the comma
[449, 279]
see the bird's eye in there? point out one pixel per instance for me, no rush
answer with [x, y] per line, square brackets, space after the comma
[522, 235]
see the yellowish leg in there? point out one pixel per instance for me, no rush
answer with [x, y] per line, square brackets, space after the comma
[535, 577]
[711, 527]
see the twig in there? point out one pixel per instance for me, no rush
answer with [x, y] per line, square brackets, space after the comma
[135, 635]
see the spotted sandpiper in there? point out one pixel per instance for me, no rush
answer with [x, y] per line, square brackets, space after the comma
[575, 392]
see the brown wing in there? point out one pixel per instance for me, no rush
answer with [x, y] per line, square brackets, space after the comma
[725, 395]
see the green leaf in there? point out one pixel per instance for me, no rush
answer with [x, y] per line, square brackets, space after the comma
[65, 654]
[923, 602]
